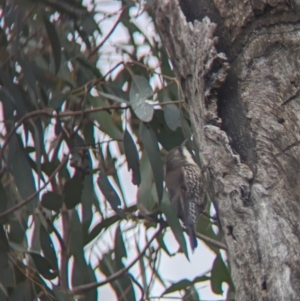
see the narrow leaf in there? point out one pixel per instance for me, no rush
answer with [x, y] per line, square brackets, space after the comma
[21, 171]
[48, 247]
[132, 157]
[109, 192]
[3, 202]
[219, 274]
[57, 100]
[120, 249]
[173, 221]
[43, 266]
[54, 41]
[177, 286]
[113, 97]
[151, 146]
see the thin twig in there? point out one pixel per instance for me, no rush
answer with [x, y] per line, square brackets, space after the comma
[50, 114]
[109, 33]
[21, 204]
[139, 286]
[87, 287]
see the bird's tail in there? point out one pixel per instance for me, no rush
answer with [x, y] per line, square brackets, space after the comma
[192, 236]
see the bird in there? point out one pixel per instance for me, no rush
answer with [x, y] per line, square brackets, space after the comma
[185, 185]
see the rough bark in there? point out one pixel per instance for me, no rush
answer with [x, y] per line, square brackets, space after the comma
[253, 151]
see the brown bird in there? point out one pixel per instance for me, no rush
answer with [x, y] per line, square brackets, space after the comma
[185, 185]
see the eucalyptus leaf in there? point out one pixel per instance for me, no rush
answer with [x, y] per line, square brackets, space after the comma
[109, 192]
[48, 247]
[146, 195]
[177, 286]
[173, 221]
[54, 41]
[52, 201]
[57, 100]
[219, 274]
[140, 91]
[21, 171]
[73, 190]
[43, 266]
[172, 116]
[151, 146]
[113, 97]
[132, 157]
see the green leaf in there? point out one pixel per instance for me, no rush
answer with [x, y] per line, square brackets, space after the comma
[204, 226]
[88, 198]
[177, 286]
[104, 224]
[88, 23]
[219, 274]
[172, 115]
[165, 136]
[73, 190]
[57, 100]
[109, 192]
[88, 133]
[49, 167]
[132, 157]
[52, 201]
[120, 249]
[173, 221]
[113, 97]
[105, 120]
[101, 226]
[147, 193]
[123, 285]
[27, 70]
[48, 247]
[184, 284]
[142, 266]
[38, 142]
[21, 171]
[162, 245]
[76, 237]
[140, 91]
[22, 292]
[190, 293]
[3, 202]
[4, 248]
[43, 266]
[151, 146]
[3, 240]
[54, 41]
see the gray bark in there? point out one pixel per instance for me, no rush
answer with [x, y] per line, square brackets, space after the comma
[253, 151]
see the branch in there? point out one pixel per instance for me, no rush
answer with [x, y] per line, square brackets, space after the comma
[50, 114]
[109, 33]
[87, 287]
[26, 201]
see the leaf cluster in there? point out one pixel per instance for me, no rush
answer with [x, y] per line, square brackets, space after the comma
[70, 123]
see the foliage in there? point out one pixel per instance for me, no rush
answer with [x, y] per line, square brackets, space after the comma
[67, 116]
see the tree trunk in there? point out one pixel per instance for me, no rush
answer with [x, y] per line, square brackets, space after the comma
[252, 152]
